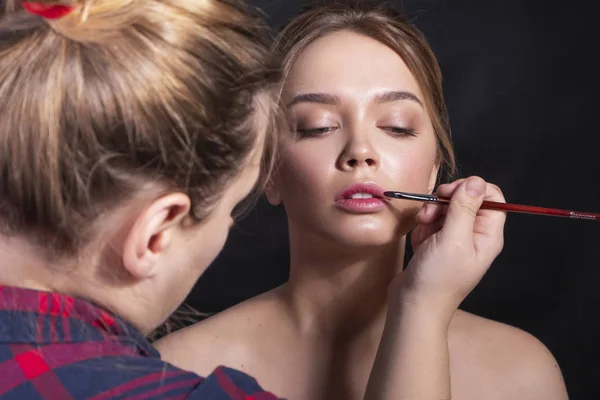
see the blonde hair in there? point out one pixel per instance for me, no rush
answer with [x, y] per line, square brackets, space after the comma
[118, 94]
[383, 23]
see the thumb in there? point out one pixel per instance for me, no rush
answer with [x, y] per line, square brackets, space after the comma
[462, 211]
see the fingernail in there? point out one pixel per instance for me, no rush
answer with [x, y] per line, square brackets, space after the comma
[475, 187]
[422, 211]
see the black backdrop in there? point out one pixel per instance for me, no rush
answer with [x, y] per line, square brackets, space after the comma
[521, 87]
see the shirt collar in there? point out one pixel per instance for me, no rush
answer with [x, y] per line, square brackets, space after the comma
[32, 316]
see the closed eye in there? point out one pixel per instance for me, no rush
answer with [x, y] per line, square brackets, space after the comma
[314, 132]
[399, 131]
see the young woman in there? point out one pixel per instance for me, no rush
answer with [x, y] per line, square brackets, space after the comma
[129, 130]
[366, 114]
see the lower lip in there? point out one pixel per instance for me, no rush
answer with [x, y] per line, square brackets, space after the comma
[361, 205]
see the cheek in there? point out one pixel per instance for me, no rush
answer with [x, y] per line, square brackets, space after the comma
[411, 167]
[302, 174]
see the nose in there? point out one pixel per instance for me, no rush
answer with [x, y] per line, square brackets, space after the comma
[358, 153]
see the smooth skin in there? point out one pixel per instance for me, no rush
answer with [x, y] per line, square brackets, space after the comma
[349, 324]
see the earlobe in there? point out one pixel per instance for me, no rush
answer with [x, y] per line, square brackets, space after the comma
[152, 232]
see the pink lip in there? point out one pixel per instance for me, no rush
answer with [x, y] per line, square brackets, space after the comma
[361, 205]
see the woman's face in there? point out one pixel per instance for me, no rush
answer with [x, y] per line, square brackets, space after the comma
[358, 126]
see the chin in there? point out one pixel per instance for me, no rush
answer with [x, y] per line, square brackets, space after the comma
[367, 235]
[370, 243]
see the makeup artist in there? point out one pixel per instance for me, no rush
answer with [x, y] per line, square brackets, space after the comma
[124, 148]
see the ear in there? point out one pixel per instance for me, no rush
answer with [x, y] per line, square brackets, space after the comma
[152, 233]
[272, 193]
[433, 178]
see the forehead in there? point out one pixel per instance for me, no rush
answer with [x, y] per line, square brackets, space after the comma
[351, 64]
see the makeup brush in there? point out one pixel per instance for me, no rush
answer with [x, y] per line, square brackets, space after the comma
[492, 205]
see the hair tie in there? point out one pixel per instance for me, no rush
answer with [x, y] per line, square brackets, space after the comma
[53, 11]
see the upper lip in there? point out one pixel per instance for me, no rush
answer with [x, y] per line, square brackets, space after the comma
[365, 187]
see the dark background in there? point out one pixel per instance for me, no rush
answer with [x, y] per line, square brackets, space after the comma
[521, 87]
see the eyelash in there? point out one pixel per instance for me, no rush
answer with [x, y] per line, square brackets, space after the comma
[394, 130]
[399, 131]
[315, 132]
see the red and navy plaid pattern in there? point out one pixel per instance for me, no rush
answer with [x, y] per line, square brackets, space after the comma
[57, 347]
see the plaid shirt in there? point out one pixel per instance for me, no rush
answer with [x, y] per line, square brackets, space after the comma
[57, 347]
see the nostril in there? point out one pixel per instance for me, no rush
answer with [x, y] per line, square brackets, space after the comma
[354, 163]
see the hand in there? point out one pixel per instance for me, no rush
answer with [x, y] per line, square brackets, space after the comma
[454, 247]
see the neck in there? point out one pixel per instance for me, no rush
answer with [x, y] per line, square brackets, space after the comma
[336, 288]
[23, 265]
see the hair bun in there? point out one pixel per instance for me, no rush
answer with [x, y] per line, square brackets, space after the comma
[88, 21]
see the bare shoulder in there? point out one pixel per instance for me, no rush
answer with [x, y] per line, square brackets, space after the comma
[502, 361]
[227, 338]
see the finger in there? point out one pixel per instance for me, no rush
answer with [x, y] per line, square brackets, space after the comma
[462, 211]
[493, 193]
[446, 190]
[491, 222]
[423, 231]
[429, 213]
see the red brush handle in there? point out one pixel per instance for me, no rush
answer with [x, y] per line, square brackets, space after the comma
[519, 208]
